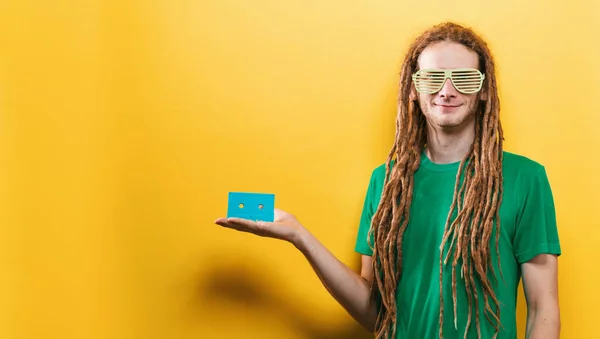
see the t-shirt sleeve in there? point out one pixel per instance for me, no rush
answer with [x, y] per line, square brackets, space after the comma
[536, 230]
[363, 241]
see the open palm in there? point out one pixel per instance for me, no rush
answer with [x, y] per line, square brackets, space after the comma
[284, 226]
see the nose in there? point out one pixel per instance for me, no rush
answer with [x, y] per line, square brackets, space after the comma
[448, 90]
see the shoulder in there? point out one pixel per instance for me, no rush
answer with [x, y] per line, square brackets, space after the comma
[380, 170]
[378, 174]
[518, 166]
[376, 183]
[525, 180]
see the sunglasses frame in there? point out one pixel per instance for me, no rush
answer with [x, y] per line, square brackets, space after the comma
[447, 75]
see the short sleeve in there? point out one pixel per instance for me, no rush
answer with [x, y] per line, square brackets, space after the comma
[536, 230]
[370, 205]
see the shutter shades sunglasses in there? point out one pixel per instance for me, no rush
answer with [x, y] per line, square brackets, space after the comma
[465, 80]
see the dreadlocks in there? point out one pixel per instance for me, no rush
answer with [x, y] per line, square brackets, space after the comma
[477, 194]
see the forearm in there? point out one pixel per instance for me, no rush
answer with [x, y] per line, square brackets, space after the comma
[345, 285]
[543, 323]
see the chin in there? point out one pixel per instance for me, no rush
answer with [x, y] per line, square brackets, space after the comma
[448, 124]
[450, 120]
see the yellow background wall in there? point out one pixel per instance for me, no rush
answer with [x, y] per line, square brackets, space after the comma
[123, 125]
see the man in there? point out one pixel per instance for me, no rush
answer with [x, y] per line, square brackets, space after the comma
[458, 221]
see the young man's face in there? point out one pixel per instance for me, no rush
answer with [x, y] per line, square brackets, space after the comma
[448, 107]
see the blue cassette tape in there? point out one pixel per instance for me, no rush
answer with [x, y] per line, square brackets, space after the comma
[251, 206]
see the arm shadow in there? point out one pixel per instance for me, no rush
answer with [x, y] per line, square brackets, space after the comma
[234, 283]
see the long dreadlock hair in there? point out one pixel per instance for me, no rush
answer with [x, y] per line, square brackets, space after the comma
[477, 194]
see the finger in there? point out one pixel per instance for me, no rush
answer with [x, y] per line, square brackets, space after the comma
[256, 227]
[240, 224]
[225, 223]
[239, 221]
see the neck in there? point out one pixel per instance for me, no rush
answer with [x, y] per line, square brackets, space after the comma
[448, 145]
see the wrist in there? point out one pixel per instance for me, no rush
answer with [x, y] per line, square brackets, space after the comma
[301, 239]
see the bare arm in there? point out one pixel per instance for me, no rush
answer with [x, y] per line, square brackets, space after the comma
[350, 289]
[540, 281]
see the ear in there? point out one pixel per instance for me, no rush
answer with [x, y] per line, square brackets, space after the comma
[412, 96]
[483, 95]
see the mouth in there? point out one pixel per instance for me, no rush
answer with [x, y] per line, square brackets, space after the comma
[447, 108]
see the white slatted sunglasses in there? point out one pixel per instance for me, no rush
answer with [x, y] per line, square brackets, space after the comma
[465, 80]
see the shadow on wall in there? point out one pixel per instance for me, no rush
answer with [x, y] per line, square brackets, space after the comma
[233, 283]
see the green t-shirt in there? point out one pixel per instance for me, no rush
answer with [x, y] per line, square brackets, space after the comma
[527, 227]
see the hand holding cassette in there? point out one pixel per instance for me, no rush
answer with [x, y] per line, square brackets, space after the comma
[256, 213]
